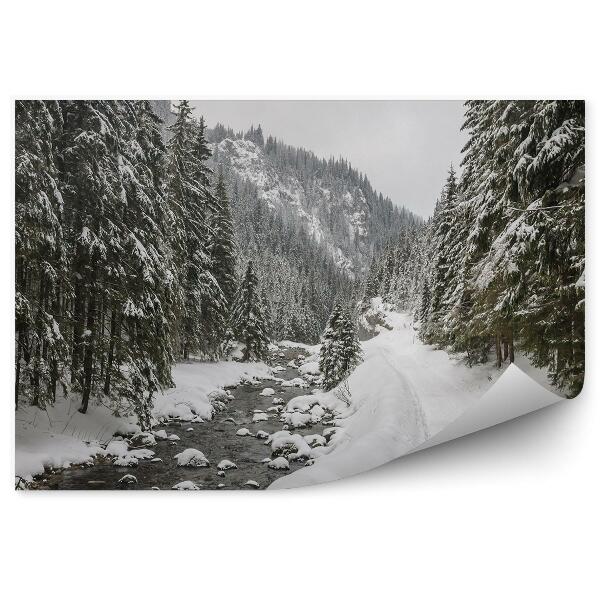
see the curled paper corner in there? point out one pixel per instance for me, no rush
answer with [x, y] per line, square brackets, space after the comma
[513, 395]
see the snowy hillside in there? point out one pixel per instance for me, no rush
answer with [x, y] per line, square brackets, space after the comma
[331, 201]
[282, 191]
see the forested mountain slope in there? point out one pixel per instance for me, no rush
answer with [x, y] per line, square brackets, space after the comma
[311, 225]
[334, 203]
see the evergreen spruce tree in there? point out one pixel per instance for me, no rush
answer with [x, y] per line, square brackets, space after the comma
[213, 324]
[350, 352]
[201, 310]
[223, 246]
[425, 303]
[329, 349]
[139, 307]
[248, 320]
[90, 158]
[41, 266]
[340, 349]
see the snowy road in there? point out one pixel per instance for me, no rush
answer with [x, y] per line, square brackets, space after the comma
[403, 393]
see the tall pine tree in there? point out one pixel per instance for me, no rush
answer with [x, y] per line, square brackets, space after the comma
[248, 321]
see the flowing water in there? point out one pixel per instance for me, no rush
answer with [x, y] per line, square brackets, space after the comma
[217, 439]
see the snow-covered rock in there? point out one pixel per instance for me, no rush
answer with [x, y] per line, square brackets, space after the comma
[117, 448]
[261, 435]
[280, 464]
[143, 438]
[243, 431]
[141, 453]
[298, 419]
[267, 392]
[295, 382]
[291, 445]
[315, 439]
[251, 483]
[125, 461]
[173, 437]
[225, 465]
[127, 480]
[311, 368]
[259, 416]
[185, 486]
[161, 434]
[218, 396]
[191, 458]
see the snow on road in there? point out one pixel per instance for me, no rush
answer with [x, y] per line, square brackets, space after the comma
[402, 394]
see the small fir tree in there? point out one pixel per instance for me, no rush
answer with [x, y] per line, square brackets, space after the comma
[248, 321]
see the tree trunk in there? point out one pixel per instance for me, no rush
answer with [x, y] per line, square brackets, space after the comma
[111, 349]
[511, 347]
[78, 328]
[505, 348]
[498, 352]
[18, 369]
[39, 347]
[88, 360]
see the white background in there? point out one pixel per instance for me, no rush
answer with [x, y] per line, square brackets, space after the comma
[508, 513]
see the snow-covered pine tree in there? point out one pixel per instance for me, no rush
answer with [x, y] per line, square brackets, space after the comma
[188, 188]
[213, 303]
[371, 284]
[223, 245]
[41, 262]
[140, 304]
[94, 200]
[329, 349]
[350, 352]
[340, 349]
[248, 322]
[516, 239]
[546, 237]
[497, 130]
[425, 303]
[445, 259]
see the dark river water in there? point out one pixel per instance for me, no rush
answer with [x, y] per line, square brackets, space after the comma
[217, 439]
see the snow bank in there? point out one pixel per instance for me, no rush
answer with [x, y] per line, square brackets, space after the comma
[62, 436]
[195, 381]
[289, 344]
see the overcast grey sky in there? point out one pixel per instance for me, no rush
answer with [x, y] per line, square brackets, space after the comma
[403, 146]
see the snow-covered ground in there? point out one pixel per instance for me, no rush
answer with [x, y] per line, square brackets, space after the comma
[403, 393]
[60, 435]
